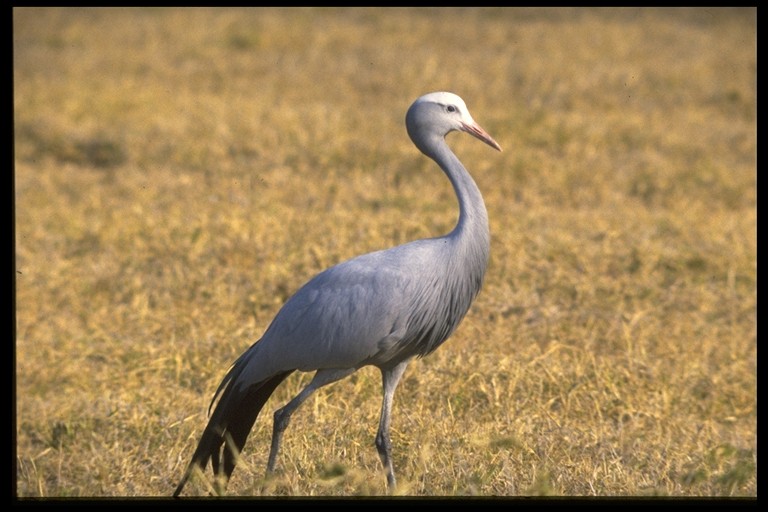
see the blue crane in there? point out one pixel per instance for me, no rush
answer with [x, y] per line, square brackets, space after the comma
[383, 309]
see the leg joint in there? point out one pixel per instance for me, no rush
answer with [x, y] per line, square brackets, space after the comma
[281, 418]
[383, 444]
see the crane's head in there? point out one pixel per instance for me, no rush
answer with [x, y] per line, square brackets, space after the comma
[438, 113]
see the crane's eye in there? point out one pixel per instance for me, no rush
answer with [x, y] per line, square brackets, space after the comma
[450, 108]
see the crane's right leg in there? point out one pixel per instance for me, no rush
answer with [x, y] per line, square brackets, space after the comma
[390, 377]
[283, 416]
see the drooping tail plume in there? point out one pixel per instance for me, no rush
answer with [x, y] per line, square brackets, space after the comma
[230, 424]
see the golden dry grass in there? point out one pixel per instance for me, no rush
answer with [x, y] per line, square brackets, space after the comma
[180, 172]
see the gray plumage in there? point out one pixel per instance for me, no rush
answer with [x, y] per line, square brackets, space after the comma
[383, 309]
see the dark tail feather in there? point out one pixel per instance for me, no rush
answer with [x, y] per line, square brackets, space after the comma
[243, 418]
[229, 426]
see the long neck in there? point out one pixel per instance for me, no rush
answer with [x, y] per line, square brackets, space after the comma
[471, 230]
[464, 252]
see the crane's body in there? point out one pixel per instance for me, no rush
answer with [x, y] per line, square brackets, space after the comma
[383, 309]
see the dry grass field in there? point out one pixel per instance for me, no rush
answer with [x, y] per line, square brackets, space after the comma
[180, 172]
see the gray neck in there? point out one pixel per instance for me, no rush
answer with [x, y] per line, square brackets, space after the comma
[465, 255]
[471, 231]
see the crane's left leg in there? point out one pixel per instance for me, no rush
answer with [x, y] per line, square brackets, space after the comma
[283, 416]
[390, 377]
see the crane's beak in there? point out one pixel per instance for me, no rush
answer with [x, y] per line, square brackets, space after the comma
[475, 130]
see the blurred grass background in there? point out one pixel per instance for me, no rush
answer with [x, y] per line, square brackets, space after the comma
[180, 172]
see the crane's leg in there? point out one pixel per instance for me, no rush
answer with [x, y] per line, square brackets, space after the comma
[390, 377]
[283, 416]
